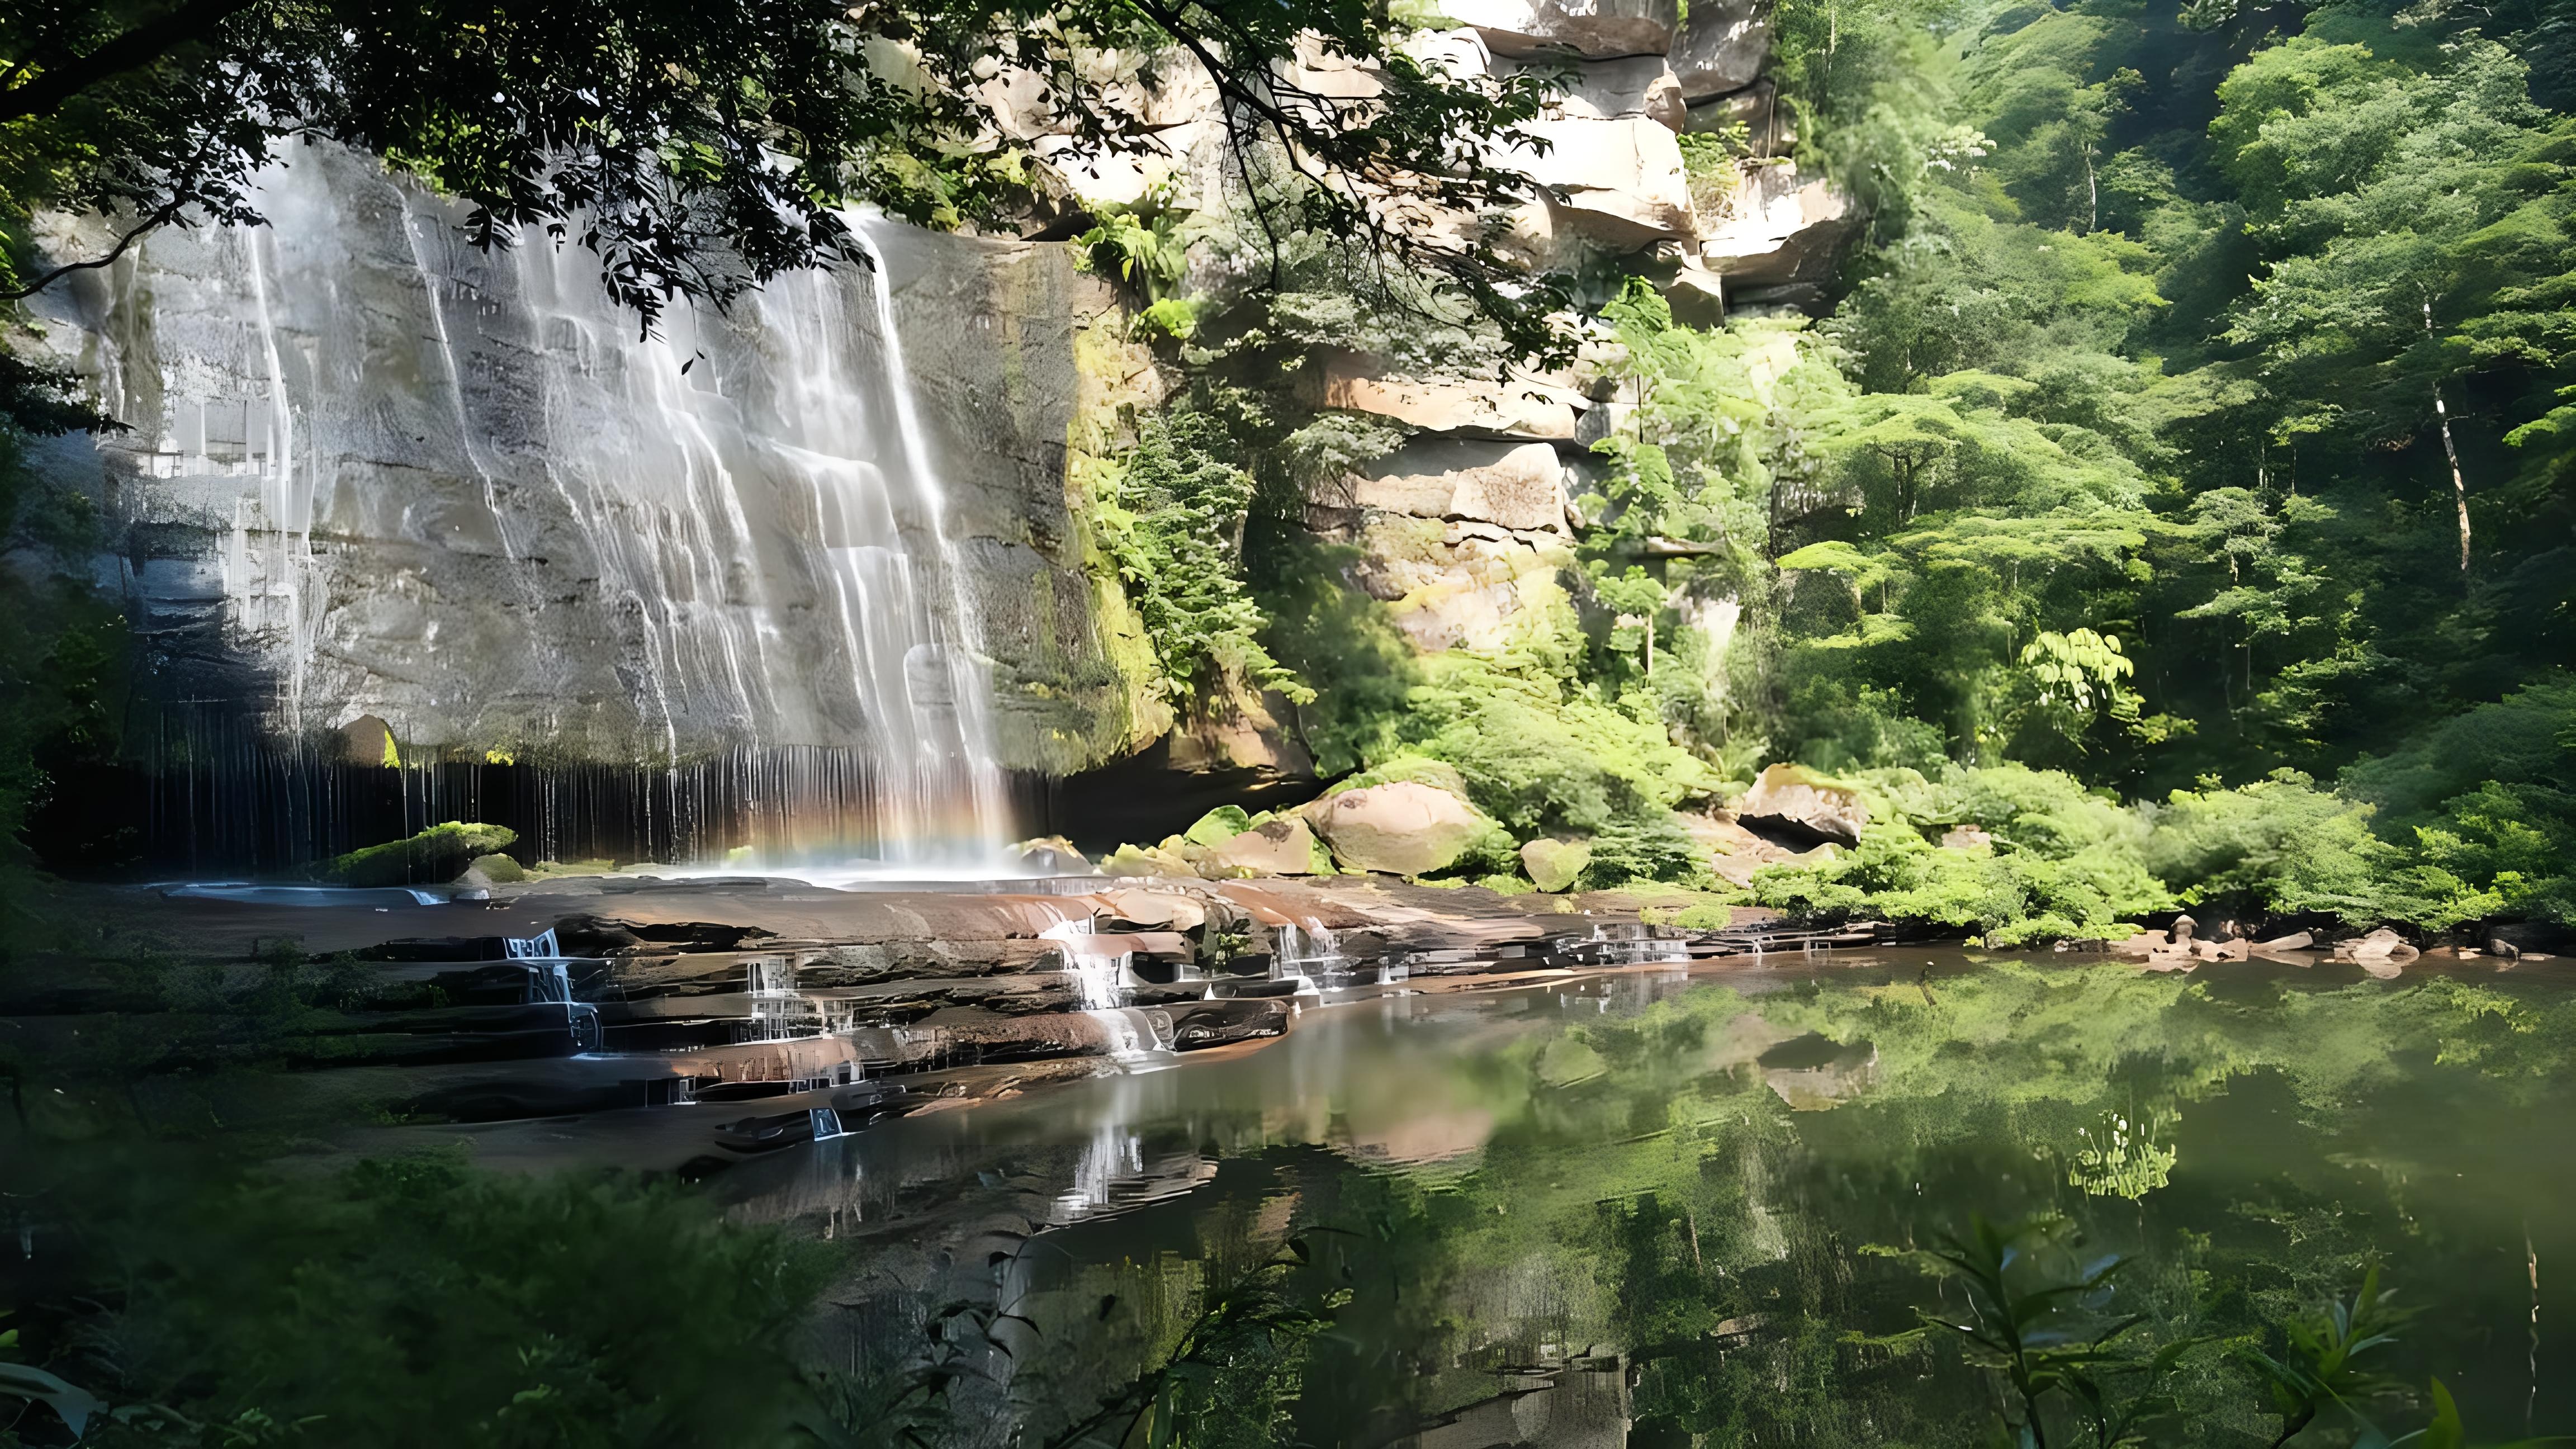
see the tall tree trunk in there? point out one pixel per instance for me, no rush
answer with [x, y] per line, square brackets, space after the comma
[2451, 451]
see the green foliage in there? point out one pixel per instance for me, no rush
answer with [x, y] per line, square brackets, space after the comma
[2527, 738]
[2011, 898]
[418, 1302]
[2037, 1319]
[1542, 753]
[1641, 848]
[700, 149]
[2319, 1367]
[1146, 247]
[2278, 844]
[1173, 524]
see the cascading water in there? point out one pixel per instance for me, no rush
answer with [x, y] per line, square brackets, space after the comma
[715, 557]
[1099, 976]
[550, 984]
[1302, 953]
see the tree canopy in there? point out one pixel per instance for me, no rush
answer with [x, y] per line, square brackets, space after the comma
[701, 148]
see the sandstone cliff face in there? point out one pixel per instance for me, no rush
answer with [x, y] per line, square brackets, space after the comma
[376, 475]
[374, 472]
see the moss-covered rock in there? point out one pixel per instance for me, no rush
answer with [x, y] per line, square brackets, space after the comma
[1282, 846]
[1147, 860]
[1218, 826]
[1401, 828]
[435, 855]
[1554, 865]
[492, 870]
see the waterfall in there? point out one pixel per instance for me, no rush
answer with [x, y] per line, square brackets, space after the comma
[1302, 953]
[460, 491]
[1099, 976]
[550, 984]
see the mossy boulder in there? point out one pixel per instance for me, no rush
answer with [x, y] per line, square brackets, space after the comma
[487, 870]
[1281, 846]
[436, 855]
[1218, 826]
[1554, 865]
[1147, 860]
[1401, 828]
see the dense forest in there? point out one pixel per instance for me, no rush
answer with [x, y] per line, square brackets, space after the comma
[2177, 486]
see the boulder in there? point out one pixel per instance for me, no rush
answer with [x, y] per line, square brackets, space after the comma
[1796, 801]
[1147, 860]
[1452, 587]
[2295, 941]
[1698, 299]
[492, 870]
[1750, 108]
[2381, 948]
[1721, 47]
[437, 854]
[1780, 230]
[1966, 837]
[1481, 407]
[1400, 829]
[1051, 855]
[1154, 910]
[1733, 852]
[1618, 181]
[1593, 29]
[1608, 90]
[1553, 865]
[1284, 846]
[1458, 54]
[1514, 486]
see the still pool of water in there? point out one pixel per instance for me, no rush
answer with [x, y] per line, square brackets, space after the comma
[1660, 1208]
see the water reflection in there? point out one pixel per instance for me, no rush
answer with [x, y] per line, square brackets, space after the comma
[1647, 1208]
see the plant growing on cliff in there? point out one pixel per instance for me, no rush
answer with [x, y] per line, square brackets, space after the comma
[1172, 522]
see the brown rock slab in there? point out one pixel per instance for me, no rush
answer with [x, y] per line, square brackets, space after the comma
[1796, 800]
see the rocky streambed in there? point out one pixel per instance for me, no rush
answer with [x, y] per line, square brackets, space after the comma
[687, 1024]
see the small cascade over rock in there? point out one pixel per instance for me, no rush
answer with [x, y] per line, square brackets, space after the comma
[1099, 976]
[1304, 953]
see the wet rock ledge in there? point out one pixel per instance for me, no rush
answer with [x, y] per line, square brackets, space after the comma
[776, 1011]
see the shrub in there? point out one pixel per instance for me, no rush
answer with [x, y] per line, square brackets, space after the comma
[1541, 755]
[1173, 524]
[2011, 897]
[420, 1302]
[2501, 850]
[2280, 845]
[2529, 737]
[1642, 849]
